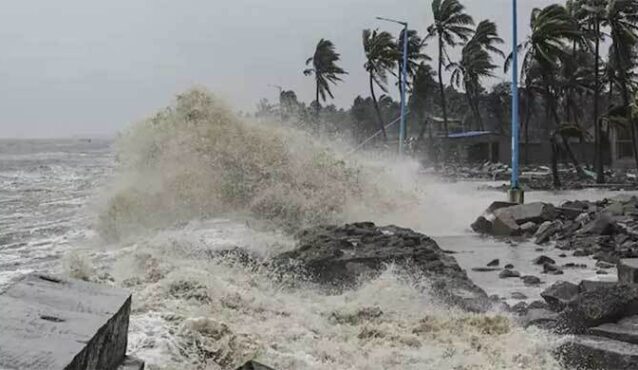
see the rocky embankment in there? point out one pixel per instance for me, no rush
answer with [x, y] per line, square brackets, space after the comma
[539, 177]
[601, 315]
[339, 256]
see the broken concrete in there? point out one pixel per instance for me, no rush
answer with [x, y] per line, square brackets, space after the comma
[628, 271]
[51, 323]
[626, 330]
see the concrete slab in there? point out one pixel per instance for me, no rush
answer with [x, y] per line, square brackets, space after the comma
[52, 323]
[628, 271]
[626, 330]
[592, 352]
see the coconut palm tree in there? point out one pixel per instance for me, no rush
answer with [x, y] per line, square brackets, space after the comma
[545, 48]
[381, 57]
[622, 19]
[476, 64]
[451, 25]
[325, 70]
[595, 14]
[415, 55]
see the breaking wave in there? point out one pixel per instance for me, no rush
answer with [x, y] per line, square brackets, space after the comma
[195, 179]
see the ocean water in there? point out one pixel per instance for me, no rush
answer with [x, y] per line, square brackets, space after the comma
[127, 214]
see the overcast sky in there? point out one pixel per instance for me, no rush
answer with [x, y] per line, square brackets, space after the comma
[77, 67]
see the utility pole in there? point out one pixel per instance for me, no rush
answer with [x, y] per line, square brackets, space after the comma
[515, 193]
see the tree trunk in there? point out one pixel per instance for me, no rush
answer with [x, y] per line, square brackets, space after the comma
[376, 108]
[318, 107]
[555, 177]
[598, 148]
[442, 87]
[528, 115]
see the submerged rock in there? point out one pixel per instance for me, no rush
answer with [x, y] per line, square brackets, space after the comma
[339, 256]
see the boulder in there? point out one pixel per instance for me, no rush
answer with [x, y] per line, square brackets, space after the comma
[253, 365]
[592, 352]
[541, 260]
[552, 269]
[505, 219]
[338, 256]
[604, 224]
[601, 306]
[507, 273]
[483, 223]
[531, 280]
[509, 266]
[628, 271]
[560, 294]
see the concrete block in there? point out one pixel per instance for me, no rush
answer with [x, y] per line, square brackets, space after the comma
[626, 330]
[51, 323]
[628, 271]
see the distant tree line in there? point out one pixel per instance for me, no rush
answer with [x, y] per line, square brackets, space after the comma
[570, 88]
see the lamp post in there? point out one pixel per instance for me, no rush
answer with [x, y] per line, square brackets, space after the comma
[515, 193]
[404, 79]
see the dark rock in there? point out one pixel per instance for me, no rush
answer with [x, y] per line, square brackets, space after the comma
[253, 365]
[486, 269]
[505, 274]
[601, 306]
[592, 352]
[482, 225]
[541, 260]
[507, 221]
[582, 253]
[602, 272]
[562, 255]
[628, 271]
[560, 294]
[569, 213]
[531, 280]
[493, 263]
[504, 224]
[338, 256]
[539, 249]
[520, 308]
[552, 269]
[604, 224]
[509, 266]
[538, 305]
[572, 265]
[518, 295]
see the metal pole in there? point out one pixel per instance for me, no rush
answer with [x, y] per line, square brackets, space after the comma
[404, 71]
[515, 193]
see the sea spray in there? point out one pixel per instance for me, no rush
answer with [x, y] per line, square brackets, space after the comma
[197, 159]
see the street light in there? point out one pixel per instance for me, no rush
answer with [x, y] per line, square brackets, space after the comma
[403, 80]
[515, 192]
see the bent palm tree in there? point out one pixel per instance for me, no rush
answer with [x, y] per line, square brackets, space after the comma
[325, 69]
[380, 58]
[622, 19]
[544, 49]
[475, 64]
[451, 24]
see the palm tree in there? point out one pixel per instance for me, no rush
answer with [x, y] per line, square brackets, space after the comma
[475, 64]
[325, 69]
[622, 19]
[381, 57]
[415, 56]
[595, 15]
[544, 49]
[451, 24]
